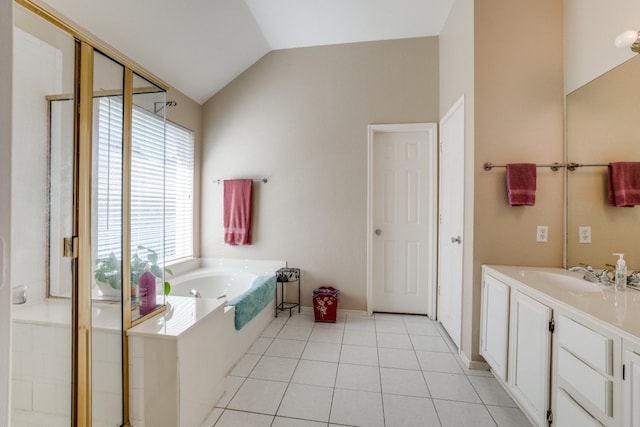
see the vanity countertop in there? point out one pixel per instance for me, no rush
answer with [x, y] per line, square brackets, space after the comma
[620, 310]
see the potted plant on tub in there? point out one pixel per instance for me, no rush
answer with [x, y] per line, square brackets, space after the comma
[108, 273]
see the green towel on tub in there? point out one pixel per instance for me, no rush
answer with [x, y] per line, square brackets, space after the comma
[250, 303]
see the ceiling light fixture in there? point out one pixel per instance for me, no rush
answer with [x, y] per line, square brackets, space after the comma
[630, 38]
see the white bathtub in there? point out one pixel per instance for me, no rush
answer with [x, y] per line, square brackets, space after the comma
[219, 277]
[212, 283]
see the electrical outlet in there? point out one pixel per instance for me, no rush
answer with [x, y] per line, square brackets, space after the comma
[542, 233]
[584, 233]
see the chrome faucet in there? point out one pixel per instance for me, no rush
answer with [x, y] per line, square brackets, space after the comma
[590, 275]
[195, 293]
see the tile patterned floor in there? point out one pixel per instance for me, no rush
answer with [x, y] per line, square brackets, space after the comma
[386, 370]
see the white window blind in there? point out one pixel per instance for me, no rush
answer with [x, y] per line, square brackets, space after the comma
[162, 162]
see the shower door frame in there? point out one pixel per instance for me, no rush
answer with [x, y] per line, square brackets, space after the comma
[81, 412]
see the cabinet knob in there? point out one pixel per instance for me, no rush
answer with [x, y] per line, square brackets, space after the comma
[378, 232]
[457, 240]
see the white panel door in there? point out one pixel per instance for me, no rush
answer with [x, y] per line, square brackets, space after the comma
[450, 237]
[403, 220]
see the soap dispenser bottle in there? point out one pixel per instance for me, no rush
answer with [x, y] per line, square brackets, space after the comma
[621, 273]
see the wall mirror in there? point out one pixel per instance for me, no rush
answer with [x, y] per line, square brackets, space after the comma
[603, 126]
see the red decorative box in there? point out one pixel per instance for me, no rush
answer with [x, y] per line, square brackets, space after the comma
[325, 304]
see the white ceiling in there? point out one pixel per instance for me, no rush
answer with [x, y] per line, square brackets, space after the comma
[199, 46]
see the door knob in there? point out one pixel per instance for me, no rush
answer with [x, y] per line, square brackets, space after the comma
[457, 240]
[378, 232]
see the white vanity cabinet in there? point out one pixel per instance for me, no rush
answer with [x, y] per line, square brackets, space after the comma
[583, 382]
[631, 385]
[530, 356]
[494, 327]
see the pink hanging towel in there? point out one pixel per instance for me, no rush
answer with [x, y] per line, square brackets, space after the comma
[624, 184]
[521, 184]
[237, 211]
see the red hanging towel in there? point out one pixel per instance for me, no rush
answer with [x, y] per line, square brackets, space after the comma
[624, 184]
[521, 184]
[237, 211]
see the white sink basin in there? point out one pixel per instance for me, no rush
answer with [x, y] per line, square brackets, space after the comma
[572, 282]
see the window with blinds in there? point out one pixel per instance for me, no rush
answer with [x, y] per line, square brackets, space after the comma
[162, 162]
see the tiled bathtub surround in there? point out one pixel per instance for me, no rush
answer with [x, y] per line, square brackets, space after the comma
[385, 370]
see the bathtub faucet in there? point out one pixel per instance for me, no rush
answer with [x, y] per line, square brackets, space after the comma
[195, 293]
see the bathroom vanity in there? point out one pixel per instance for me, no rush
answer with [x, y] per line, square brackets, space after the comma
[567, 350]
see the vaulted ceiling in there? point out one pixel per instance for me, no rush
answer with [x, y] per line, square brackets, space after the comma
[199, 46]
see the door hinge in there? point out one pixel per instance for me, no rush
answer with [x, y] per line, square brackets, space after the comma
[552, 325]
[70, 247]
[549, 416]
[623, 371]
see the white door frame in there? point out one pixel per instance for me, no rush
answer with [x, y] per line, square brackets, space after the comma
[405, 127]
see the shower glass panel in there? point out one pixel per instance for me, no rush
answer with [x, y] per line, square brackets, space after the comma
[147, 197]
[43, 216]
[107, 237]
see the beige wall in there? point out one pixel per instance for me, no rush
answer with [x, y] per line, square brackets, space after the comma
[591, 26]
[6, 61]
[515, 114]
[518, 118]
[457, 79]
[300, 117]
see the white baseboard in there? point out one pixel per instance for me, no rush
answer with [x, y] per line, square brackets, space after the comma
[473, 364]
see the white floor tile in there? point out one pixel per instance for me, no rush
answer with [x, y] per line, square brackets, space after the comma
[231, 418]
[212, 417]
[387, 340]
[308, 374]
[390, 326]
[438, 362]
[260, 396]
[285, 348]
[272, 330]
[274, 368]
[260, 346]
[314, 372]
[357, 408]
[491, 392]
[358, 355]
[398, 358]
[322, 351]
[429, 343]
[295, 422]
[360, 337]
[403, 381]
[357, 323]
[508, 417]
[451, 387]
[245, 365]
[408, 411]
[327, 335]
[231, 386]
[295, 332]
[461, 414]
[421, 325]
[306, 401]
[358, 377]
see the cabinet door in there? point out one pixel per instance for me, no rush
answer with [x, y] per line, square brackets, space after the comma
[494, 327]
[631, 404]
[529, 356]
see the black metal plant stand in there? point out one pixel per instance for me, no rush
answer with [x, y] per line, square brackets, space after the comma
[283, 276]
